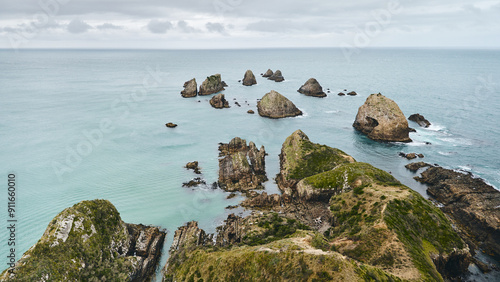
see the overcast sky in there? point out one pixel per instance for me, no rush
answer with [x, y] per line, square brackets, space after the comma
[168, 24]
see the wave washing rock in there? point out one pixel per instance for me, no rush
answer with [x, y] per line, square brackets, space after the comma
[190, 89]
[249, 78]
[88, 241]
[268, 73]
[277, 76]
[472, 203]
[219, 102]
[275, 105]
[211, 85]
[381, 119]
[379, 230]
[241, 167]
[312, 88]
[418, 118]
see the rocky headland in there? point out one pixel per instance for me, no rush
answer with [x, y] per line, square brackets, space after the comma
[312, 88]
[275, 105]
[381, 119]
[89, 241]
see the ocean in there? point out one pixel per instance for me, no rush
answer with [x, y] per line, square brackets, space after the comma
[86, 124]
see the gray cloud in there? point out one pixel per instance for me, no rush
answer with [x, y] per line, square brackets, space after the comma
[185, 27]
[108, 26]
[78, 26]
[215, 27]
[157, 26]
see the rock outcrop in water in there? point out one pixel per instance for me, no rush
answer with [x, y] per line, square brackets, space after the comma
[312, 88]
[88, 241]
[249, 78]
[416, 166]
[275, 105]
[277, 76]
[268, 73]
[219, 101]
[190, 89]
[241, 167]
[381, 119]
[369, 226]
[472, 203]
[211, 85]
[420, 119]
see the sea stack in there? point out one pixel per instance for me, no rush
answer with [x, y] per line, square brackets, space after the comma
[211, 85]
[312, 88]
[190, 89]
[219, 102]
[381, 119]
[277, 76]
[275, 105]
[268, 73]
[420, 119]
[249, 78]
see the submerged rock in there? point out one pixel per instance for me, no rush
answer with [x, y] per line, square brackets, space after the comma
[381, 119]
[171, 125]
[472, 203]
[211, 85]
[194, 182]
[190, 89]
[277, 76]
[241, 167]
[312, 88]
[249, 78]
[87, 240]
[251, 112]
[352, 93]
[341, 94]
[275, 105]
[418, 118]
[268, 73]
[219, 102]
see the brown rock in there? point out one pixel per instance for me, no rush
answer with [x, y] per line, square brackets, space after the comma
[193, 166]
[251, 112]
[341, 94]
[312, 88]
[249, 78]
[268, 73]
[171, 125]
[219, 102]
[352, 93]
[381, 119]
[190, 89]
[277, 76]
[211, 85]
[146, 245]
[275, 105]
[416, 166]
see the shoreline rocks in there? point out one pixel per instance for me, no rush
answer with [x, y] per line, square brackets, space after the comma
[249, 78]
[90, 238]
[277, 76]
[241, 167]
[312, 88]
[472, 203]
[190, 89]
[274, 105]
[420, 119]
[219, 101]
[380, 119]
[414, 167]
[211, 85]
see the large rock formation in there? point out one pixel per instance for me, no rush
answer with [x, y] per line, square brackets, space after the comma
[277, 76]
[219, 102]
[88, 241]
[268, 73]
[275, 105]
[381, 119]
[249, 78]
[211, 85]
[312, 88]
[241, 167]
[472, 203]
[420, 119]
[190, 89]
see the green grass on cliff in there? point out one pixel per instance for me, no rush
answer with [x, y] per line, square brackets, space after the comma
[273, 228]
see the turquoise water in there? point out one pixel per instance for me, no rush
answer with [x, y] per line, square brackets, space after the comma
[82, 124]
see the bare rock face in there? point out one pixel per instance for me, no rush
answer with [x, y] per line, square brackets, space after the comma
[420, 119]
[381, 119]
[472, 203]
[249, 78]
[241, 167]
[219, 102]
[416, 166]
[189, 235]
[211, 85]
[190, 89]
[312, 88]
[277, 76]
[275, 105]
[268, 73]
